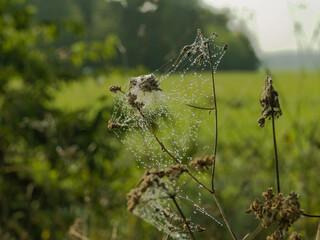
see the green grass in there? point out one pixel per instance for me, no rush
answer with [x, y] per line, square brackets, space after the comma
[245, 165]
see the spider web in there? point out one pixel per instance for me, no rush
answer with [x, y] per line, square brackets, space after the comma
[177, 103]
[173, 111]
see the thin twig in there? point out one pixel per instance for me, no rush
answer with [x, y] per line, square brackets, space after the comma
[275, 150]
[182, 215]
[215, 147]
[215, 120]
[311, 215]
[203, 108]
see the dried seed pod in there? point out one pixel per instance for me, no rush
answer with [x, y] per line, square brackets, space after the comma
[145, 83]
[202, 163]
[269, 102]
[113, 125]
[115, 88]
[186, 48]
[225, 47]
[199, 228]
[261, 121]
[295, 236]
[200, 57]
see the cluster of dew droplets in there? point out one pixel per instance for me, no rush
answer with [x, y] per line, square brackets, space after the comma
[185, 83]
[178, 110]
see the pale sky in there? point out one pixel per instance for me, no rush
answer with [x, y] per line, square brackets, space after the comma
[272, 21]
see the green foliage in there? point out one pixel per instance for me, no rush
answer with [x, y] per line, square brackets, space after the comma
[54, 165]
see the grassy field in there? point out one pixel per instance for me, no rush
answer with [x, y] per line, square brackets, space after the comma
[245, 166]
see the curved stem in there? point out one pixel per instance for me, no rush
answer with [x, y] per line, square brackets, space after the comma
[182, 215]
[275, 151]
[215, 120]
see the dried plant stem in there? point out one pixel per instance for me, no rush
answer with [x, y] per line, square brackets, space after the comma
[215, 147]
[182, 215]
[223, 215]
[203, 108]
[215, 120]
[310, 215]
[275, 151]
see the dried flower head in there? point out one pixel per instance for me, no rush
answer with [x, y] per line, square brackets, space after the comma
[152, 179]
[115, 88]
[202, 163]
[186, 48]
[283, 211]
[113, 125]
[174, 171]
[269, 102]
[225, 47]
[145, 83]
[132, 100]
[199, 228]
[277, 235]
[295, 236]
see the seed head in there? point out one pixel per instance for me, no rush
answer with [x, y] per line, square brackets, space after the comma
[132, 100]
[115, 88]
[269, 102]
[225, 47]
[202, 163]
[174, 171]
[186, 48]
[199, 228]
[295, 236]
[145, 83]
[283, 211]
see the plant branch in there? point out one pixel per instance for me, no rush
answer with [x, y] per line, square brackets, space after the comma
[215, 120]
[182, 215]
[275, 150]
[223, 215]
[203, 108]
[311, 215]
